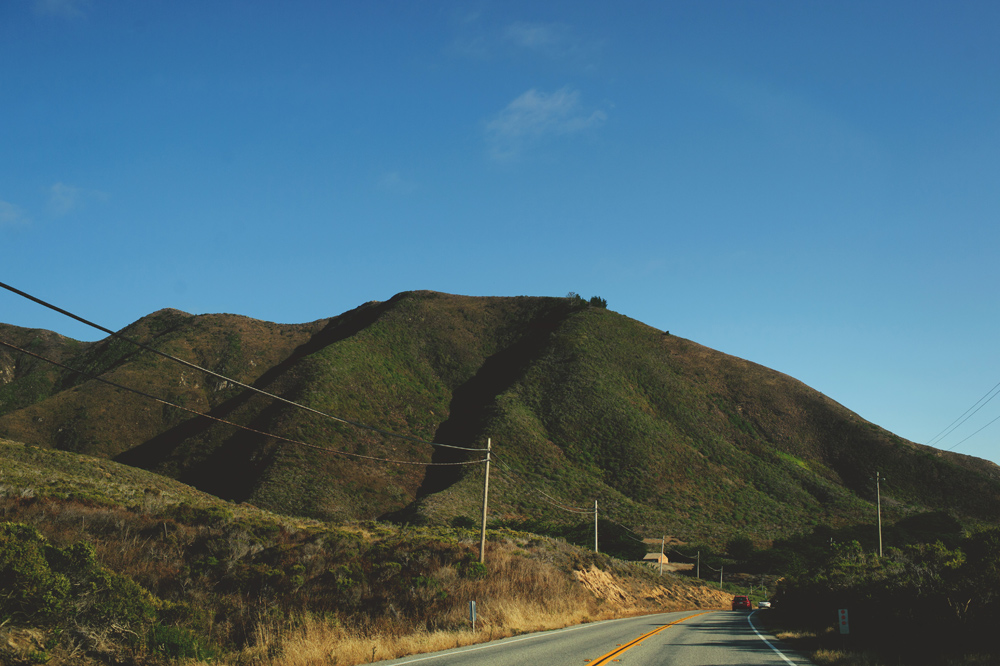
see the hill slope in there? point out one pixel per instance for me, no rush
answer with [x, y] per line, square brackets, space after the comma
[580, 403]
[161, 570]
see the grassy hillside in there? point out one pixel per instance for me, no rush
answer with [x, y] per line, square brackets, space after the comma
[708, 438]
[580, 403]
[101, 563]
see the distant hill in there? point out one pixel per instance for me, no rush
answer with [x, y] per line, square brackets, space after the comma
[580, 403]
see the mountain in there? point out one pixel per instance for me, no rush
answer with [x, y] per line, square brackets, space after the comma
[579, 403]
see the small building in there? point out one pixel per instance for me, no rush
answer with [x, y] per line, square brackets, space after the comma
[655, 559]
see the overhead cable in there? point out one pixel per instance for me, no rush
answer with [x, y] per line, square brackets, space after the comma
[228, 379]
[230, 423]
[554, 502]
[975, 433]
[959, 421]
[631, 534]
[545, 497]
[540, 492]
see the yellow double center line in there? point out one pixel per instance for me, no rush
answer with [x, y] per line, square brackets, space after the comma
[628, 646]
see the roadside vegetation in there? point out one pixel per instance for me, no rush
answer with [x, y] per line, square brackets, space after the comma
[112, 572]
[753, 474]
[932, 598]
[101, 563]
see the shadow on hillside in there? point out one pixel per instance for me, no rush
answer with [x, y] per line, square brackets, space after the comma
[231, 470]
[472, 406]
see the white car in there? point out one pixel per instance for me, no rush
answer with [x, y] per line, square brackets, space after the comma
[763, 604]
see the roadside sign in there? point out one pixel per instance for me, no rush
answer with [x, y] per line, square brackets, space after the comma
[845, 627]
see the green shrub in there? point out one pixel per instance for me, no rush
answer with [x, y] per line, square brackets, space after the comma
[42, 584]
[29, 590]
[464, 522]
[740, 547]
[475, 570]
[179, 643]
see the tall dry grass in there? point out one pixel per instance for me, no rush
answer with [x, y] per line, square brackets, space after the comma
[520, 595]
[308, 640]
[260, 594]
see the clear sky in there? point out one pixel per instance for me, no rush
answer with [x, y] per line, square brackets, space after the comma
[811, 185]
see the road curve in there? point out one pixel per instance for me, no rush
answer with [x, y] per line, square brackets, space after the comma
[688, 638]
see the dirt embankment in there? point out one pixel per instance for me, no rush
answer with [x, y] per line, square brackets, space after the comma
[626, 596]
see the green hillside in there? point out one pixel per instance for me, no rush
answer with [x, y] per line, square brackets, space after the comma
[580, 404]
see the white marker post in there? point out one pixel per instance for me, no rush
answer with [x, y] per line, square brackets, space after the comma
[472, 615]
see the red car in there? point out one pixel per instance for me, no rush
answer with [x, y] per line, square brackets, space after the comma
[741, 602]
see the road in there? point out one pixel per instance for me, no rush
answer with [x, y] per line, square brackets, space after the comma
[690, 638]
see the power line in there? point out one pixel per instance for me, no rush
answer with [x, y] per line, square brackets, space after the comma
[228, 379]
[688, 557]
[959, 421]
[610, 506]
[554, 502]
[636, 537]
[540, 492]
[975, 433]
[230, 423]
[545, 496]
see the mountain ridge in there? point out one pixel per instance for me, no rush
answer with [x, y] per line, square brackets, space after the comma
[579, 401]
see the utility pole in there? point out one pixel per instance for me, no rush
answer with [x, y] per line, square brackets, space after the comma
[486, 495]
[697, 570]
[662, 539]
[722, 568]
[878, 499]
[595, 526]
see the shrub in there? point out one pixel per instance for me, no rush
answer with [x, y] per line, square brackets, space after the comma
[43, 584]
[464, 522]
[475, 570]
[178, 642]
[193, 515]
[740, 547]
[29, 590]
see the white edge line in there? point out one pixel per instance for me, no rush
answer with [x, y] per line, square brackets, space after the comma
[761, 637]
[497, 643]
[507, 641]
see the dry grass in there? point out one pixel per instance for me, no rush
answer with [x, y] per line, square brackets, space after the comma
[521, 595]
[826, 648]
[819, 646]
[315, 641]
[307, 640]
[401, 591]
[826, 657]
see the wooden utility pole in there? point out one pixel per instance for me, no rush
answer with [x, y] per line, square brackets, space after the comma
[878, 499]
[486, 497]
[662, 539]
[595, 526]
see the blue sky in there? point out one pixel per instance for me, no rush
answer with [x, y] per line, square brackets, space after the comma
[810, 185]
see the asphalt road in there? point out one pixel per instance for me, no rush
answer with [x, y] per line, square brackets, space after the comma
[690, 638]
